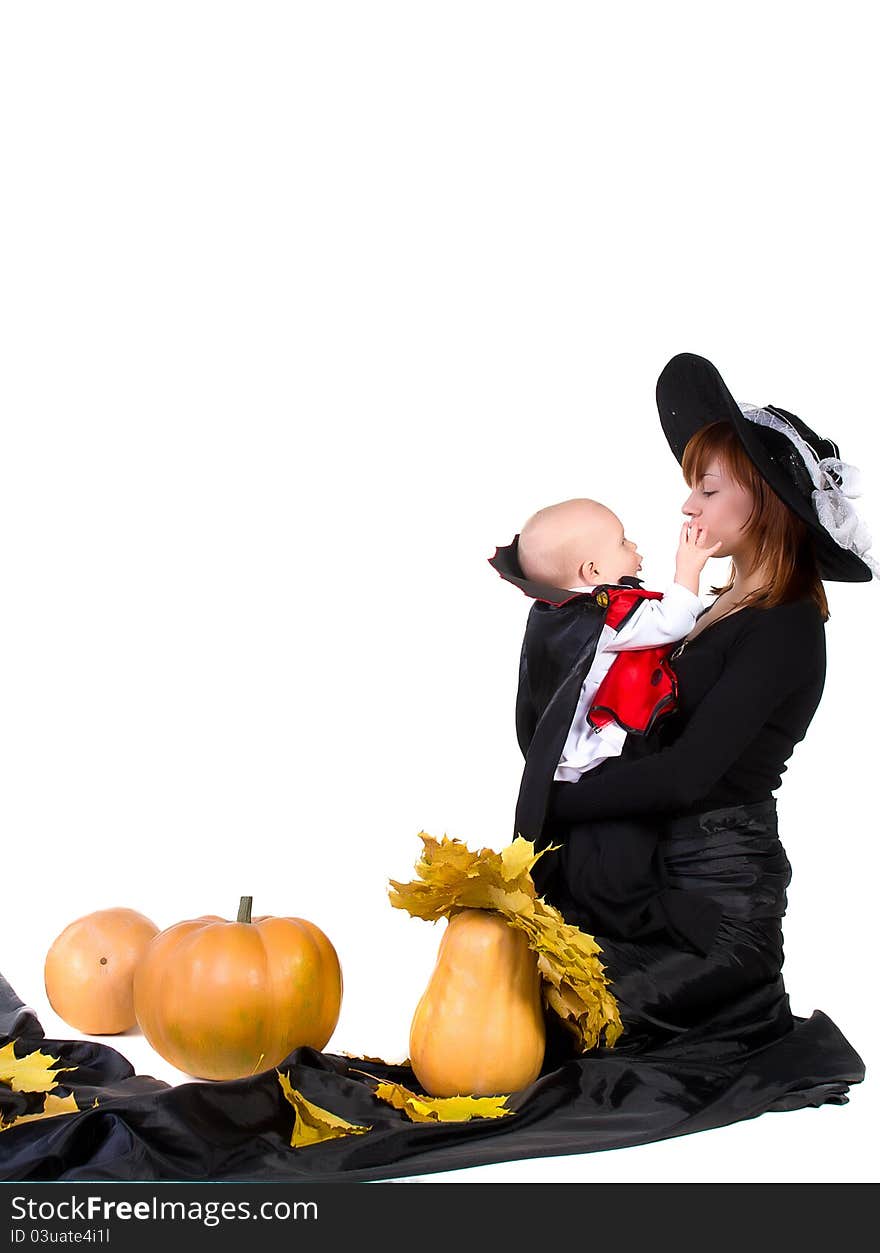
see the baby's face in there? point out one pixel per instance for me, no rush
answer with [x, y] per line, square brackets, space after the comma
[608, 553]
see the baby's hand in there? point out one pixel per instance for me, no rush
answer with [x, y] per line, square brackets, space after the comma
[692, 555]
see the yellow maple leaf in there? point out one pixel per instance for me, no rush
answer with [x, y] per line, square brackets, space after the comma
[452, 877]
[420, 1108]
[516, 902]
[518, 858]
[51, 1106]
[35, 1072]
[314, 1124]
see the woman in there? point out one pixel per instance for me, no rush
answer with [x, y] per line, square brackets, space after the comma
[750, 676]
[708, 1039]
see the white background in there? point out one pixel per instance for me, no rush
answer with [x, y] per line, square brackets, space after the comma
[305, 308]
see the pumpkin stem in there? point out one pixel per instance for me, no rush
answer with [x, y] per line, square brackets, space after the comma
[244, 909]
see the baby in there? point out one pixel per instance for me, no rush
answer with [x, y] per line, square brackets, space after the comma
[577, 545]
[610, 877]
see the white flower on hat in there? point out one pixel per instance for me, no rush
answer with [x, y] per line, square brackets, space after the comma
[836, 485]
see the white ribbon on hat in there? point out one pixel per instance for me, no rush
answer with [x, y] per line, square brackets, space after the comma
[836, 484]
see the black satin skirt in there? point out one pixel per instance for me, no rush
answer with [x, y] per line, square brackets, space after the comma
[708, 1040]
[733, 998]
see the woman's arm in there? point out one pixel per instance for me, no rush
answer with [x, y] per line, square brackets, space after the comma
[770, 660]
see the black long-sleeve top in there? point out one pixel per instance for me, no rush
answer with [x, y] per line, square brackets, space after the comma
[748, 686]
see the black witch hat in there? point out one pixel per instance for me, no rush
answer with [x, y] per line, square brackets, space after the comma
[803, 468]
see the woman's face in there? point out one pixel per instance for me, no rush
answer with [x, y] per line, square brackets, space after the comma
[722, 506]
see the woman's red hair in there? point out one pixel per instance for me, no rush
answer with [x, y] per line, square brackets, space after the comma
[782, 542]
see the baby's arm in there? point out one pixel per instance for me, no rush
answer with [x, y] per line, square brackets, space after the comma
[658, 622]
[692, 555]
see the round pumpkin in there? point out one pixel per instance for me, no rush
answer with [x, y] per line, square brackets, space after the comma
[478, 1029]
[221, 1000]
[89, 969]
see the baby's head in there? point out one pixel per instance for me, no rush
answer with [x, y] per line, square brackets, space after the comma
[576, 543]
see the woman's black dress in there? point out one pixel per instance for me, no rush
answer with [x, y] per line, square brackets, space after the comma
[709, 1040]
[748, 686]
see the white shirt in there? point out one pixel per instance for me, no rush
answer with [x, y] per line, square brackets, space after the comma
[654, 623]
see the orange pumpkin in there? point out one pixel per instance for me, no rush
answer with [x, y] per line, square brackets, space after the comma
[221, 1000]
[478, 1029]
[90, 966]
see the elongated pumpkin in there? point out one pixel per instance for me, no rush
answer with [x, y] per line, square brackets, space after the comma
[222, 1000]
[478, 1029]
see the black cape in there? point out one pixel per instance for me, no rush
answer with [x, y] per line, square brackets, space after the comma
[558, 648]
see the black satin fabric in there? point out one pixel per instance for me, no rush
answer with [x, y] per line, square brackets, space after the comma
[708, 1041]
[734, 997]
[609, 878]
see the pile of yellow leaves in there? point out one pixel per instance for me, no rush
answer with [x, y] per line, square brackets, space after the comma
[453, 878]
